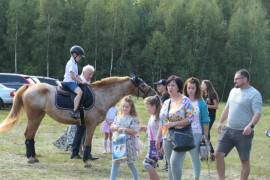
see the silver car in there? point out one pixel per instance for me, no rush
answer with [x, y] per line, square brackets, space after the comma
[6, 95]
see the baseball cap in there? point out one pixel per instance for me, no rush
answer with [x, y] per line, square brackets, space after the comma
[162, 81]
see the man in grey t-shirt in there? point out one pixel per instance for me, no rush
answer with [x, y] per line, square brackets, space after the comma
[243, 111]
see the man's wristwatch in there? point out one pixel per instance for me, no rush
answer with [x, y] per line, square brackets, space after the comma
[251, 125]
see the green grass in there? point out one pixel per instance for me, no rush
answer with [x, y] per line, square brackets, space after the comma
[56, 164]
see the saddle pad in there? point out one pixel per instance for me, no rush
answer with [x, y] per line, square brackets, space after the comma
[67, 102]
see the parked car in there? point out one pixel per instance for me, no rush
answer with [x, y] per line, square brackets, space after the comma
[13, 80]
[6, 95]
[31, 79]
[48, 80]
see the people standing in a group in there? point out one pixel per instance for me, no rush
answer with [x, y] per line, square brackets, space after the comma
[211, 98]
[200, 124]
[105, 127]
[126, 122]
[176, 112]
[86, 76]
[162, 89]
[150, 163]
[243, 111]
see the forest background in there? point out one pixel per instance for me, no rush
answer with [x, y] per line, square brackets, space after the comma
[207, 39]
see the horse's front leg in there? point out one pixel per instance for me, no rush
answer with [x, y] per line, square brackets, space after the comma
[90, 128]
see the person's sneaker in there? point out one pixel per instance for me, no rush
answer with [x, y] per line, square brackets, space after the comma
[74, 114]
[165, 167]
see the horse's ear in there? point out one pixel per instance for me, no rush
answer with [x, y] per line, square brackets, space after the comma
[131, 74]
[137, 80]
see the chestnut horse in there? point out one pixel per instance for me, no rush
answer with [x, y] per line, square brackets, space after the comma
[39, 99]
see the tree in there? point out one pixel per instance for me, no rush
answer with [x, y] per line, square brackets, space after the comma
[92, 28]
[20, 19]
[158, 56]
[4, 54]
[247, 46]
[46, 34]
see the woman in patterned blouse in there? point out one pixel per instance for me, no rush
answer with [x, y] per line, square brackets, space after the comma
[176, 112]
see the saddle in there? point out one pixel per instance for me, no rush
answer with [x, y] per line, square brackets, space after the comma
[64, 97]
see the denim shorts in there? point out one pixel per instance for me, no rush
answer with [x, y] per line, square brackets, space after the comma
[71, 85]
[230, 138]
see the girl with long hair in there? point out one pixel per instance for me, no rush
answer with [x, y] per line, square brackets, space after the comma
[211, 98]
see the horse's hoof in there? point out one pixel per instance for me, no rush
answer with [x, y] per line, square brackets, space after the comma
[36, 160]
[87, 165]
[31, 160]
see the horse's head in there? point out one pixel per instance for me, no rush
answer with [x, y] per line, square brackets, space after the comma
[143, 89]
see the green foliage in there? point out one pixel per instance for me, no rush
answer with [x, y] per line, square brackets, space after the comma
[208, 39]
[247, 46]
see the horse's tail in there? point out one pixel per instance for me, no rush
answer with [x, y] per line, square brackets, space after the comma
[16, 111]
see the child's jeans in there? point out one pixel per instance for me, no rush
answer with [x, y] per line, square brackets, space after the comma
[131, 166]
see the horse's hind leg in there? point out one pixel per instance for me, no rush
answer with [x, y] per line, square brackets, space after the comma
[34, 120]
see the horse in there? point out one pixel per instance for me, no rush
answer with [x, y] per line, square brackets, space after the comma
[39, 99]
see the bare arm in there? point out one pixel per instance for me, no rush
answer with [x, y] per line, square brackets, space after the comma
[223, 117]
[108, 121]
[128, 130]
[114, 128]
[183, 122]
[254, 121]
[77, 79]
[159, 134]
[215, 106]
[206, 130]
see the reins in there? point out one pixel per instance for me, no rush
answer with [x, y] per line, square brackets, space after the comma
[137, 85]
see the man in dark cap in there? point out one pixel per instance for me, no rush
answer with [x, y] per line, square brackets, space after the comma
[161, 87]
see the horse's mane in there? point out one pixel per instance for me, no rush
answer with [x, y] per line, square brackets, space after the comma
[109, 80]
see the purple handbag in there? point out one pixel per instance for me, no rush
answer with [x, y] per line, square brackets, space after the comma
[153, 152]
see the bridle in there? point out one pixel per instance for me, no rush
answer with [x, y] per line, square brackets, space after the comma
[137, 82]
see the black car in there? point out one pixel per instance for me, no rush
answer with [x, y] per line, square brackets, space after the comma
[13, 80]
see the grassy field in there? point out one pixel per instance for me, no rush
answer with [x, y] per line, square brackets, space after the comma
[56, 164]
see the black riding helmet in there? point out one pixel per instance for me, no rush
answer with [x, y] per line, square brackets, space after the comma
[77, 49]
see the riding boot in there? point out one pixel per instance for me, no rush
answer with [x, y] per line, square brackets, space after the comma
[87, 150]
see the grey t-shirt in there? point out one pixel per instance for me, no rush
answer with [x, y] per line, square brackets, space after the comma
[242, 105]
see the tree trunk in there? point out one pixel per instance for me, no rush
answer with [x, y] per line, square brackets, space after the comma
[114, 27]
[48, 45]
[15, 45]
